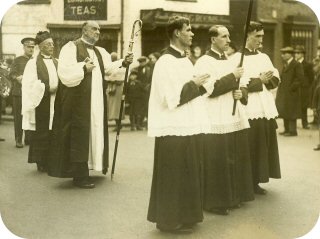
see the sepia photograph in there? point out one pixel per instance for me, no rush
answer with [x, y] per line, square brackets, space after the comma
[159, 119]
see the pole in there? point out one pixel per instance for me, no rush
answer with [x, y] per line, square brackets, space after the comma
[243, 47]
[124, 92]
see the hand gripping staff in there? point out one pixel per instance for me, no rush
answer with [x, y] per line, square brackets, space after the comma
[133, 34]
[243, 47]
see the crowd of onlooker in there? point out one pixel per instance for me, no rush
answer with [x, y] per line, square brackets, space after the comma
[139, 85]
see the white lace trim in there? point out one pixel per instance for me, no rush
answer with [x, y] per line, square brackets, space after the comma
[178, 131]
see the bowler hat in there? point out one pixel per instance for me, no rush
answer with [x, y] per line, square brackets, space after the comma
[287, 49]
[28, 41]
[299, 49]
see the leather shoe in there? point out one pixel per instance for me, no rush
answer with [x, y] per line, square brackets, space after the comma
[259, 190]
[317, 148]
[283, 133]
[2, 139]
[220, 211]
[83, 183]
[179, 229]
[19, 145]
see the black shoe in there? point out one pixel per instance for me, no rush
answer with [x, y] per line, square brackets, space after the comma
[41, 168]
[179, 229]
[283, 133]
[139, 128]
[220, 211]
[291, 134]
[2, 139]
[236, 206]
[19, 145]
[317, 148]
[259, 190]
[83, 183]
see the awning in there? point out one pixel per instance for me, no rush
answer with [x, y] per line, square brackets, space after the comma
[158, 17]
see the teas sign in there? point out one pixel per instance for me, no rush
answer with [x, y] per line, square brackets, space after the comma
[85, 10]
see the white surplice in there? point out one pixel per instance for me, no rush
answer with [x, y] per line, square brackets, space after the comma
[33, 90]
[71, 74]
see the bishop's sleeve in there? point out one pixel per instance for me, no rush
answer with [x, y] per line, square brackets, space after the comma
[70, 71]
[110, 67]
[32, 88]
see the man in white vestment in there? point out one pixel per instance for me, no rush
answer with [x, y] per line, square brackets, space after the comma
[82, 130]
[39, 86]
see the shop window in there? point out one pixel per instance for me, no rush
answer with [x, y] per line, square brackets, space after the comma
[303, 38]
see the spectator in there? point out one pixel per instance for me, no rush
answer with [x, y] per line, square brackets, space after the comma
[315, 103]
[135, 97]
[288, 99]
[114, 91]
[231, 49]
[305, 85]
[144, 76]
[196, 53]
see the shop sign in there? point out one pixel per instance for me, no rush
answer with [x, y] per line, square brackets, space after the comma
[79, 10]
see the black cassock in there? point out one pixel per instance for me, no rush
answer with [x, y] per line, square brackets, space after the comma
[40, 138]
[71, 124]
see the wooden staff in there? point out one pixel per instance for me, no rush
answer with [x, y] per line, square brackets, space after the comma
[243, 47]
[133, 34]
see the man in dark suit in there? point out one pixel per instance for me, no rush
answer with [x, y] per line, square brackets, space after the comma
[288, 98]
[306, 84]
[15, 75]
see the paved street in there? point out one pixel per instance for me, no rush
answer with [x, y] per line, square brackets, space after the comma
[34, 205]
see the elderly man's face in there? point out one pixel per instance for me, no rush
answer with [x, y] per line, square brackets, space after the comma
[46, 47]
[92, 31]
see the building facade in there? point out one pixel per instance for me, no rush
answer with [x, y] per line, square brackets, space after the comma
[64, 19]
[286, 23]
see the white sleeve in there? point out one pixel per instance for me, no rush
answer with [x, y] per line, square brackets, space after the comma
[32, 88]
[109, 66]
[70, 71]
[202, 66]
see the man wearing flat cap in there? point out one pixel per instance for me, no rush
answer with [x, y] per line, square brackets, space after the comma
[288, 98]
[306, 84]
[144, 77]
[83, 131]
[39, 87]
[15, 76]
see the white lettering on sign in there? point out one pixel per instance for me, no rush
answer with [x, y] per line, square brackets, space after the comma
[80, 10]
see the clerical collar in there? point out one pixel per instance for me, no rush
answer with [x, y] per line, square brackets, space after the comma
[178, 50]
[249, 52]
[87, 44]
[45, 56]
[216, 55]
[171, 51]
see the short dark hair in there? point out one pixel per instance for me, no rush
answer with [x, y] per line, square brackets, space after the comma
[176, 22]
[255, 26]
[214, 31]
